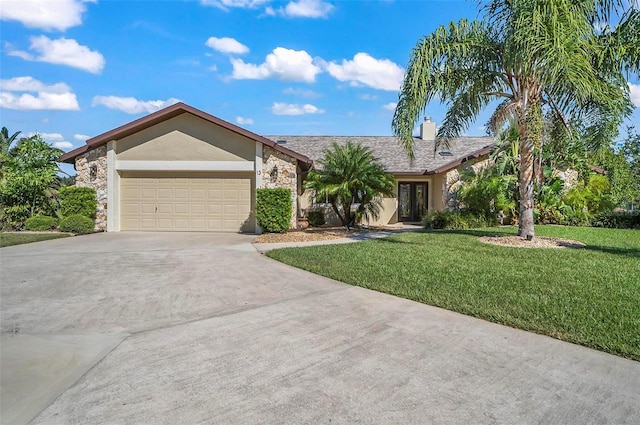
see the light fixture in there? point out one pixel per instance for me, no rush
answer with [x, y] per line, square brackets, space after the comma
[93, 172]
[274, 174]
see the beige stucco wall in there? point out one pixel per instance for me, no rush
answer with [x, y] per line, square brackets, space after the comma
[84, 163]
[388, 214]
[286, 176]
[185, 138]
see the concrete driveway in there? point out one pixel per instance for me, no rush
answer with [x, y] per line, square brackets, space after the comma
[200, 328]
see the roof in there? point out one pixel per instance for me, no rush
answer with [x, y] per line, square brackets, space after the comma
[390, 153]
[168, 113]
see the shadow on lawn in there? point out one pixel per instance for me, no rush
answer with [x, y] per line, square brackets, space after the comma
[627, 252]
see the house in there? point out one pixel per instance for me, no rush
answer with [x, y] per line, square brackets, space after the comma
[181, 169]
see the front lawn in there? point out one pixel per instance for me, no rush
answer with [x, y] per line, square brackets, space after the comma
[588, 296]
[9, 239]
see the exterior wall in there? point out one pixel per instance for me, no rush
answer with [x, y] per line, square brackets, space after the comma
[286, 176]
[453, 181]
[388, 214]
[185, 138]
[96, 160]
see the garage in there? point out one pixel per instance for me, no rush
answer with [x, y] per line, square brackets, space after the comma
[200, 202]
[182, 170]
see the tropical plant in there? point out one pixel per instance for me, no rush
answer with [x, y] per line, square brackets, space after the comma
[28, 181]
[6, 141]
[352, 180]
[566, 58]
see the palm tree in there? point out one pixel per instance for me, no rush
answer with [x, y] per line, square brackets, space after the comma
[6, 140]
[350, 176]
[532, 56]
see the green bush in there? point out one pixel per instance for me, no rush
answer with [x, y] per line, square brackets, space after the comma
[273, 209]
[41, 222]
[78, 200]
[617, 220]
[316, 218]
[77, 224]
[456, 220]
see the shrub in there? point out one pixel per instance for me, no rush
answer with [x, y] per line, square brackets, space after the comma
[617, 220]
[455, 220]
[273, 209]
[316, 218]
[77, 223]
[78, 200]
[41, 222]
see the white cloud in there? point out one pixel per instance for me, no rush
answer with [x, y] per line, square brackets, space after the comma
[55, 139]
[294, 109]
[81, 137]
[54, 97]
[131, 105]
[282, 64]
[391, 106]
[62, 51]
[44, 14]
[368, 96]
[381, 74]
[229, 4]
[634, 93]
[302, 93]
[244, 121]
[227, 45]
[303, 9]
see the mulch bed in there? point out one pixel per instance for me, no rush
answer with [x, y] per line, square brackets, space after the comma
[537, 242]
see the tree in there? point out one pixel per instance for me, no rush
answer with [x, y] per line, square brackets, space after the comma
[6, 140]
[350, 177]
[28, 180]
[563, 57]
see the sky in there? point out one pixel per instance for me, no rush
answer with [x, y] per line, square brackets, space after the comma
[74, 69]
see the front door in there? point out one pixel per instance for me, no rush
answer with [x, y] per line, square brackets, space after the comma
[412, 201]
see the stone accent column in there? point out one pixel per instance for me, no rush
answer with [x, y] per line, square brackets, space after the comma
[285, 176]
[91, 171]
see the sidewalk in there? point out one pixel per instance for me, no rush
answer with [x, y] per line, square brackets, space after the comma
[265, 247]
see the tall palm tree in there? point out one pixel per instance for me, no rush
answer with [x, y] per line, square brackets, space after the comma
[566, 57]
[350, 177]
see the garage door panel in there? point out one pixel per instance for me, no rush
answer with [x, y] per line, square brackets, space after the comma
[186, 203]
[147, 208]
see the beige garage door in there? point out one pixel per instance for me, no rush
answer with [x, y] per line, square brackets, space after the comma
[186, 202]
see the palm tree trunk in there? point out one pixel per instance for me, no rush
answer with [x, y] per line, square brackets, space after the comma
[525, 226]
[526, 122]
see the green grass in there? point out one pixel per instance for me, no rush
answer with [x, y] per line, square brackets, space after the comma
[9, 239]
[588, 296]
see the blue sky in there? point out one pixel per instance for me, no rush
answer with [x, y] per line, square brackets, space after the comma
[73, 69]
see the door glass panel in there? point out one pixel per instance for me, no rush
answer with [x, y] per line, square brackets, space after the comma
[404, 195]
[420, 201]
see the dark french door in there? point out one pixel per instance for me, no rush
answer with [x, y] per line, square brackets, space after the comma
[412, 200]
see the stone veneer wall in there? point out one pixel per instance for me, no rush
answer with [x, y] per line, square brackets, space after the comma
[286, 177]
[97, 157]
[453, 183]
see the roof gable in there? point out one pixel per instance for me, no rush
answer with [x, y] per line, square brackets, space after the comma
[168, 113]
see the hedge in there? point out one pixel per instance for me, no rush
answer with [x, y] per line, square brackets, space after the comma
[454, 220]
[273, 209]
[316, 218]
[77, 224]
[40, 223]
[78, 200]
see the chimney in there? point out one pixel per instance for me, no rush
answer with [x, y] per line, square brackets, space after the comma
[428, 129]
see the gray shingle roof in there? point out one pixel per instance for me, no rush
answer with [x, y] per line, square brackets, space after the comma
[390, 153]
